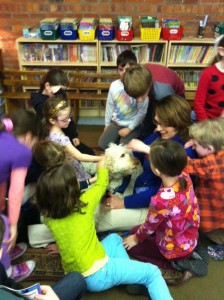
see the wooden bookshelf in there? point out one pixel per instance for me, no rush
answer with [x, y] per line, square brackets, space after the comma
[184, 56]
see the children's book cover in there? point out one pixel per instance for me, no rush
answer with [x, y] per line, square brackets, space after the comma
[28, 293]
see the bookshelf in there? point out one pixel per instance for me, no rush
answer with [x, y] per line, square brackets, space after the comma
[187, 57]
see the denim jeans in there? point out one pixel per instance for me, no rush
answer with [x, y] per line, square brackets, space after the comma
[71, 287]
[120, 269]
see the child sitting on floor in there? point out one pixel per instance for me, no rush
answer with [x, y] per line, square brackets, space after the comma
[70, 217]
[208, 141]
[57, 116]
[170, 232]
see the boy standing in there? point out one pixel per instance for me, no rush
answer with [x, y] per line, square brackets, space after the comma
[124, 114]
[208, 141]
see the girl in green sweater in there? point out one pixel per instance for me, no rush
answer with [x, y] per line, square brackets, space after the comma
[70, 218]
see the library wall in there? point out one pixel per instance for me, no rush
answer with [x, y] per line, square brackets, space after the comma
[16, 15]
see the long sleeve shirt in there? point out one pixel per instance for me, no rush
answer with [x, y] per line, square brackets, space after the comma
[209, 97]
[75, 234]
[173, 216]
[122, 109]
[147, 184]
[209, 189]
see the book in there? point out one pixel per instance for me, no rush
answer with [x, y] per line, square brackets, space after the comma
[27, 293]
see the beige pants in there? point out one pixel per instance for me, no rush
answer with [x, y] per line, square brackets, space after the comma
[120, 219]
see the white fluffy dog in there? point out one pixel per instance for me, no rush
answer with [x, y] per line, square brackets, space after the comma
[120, 162]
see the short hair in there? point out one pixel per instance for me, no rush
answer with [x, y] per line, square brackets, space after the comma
[169, 157]
[175, 111]
[49, 153]
[2, 230]
[126, 57]
[137, 80]
[209, 132]
[55, 76]
[58, 192]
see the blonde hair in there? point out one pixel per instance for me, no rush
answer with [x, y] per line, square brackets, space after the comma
[137, 80]
[209, 133]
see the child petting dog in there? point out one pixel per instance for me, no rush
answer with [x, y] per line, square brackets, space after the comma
[57, 116]
[124, 114]
[70, 218]
[169, 235]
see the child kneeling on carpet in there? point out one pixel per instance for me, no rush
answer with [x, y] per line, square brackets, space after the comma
[170, 232]
[208, 141]
[70, 217]
[71, 287]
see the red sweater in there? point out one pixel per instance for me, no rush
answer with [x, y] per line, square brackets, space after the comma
[209, 98]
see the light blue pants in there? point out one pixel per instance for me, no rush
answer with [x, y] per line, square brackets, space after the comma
[120, 269]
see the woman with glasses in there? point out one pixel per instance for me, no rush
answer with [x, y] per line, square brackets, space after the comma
[172, 118]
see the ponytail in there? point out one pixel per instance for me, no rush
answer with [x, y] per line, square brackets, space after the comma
[6, 125]
[183, 184]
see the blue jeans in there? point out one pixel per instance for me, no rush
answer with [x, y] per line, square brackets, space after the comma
[71, 287]
[120, 269]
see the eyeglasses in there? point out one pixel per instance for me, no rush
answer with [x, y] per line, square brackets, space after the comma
[156, 123]
[66, 119]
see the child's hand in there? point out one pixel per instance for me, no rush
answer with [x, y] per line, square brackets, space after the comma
[52, 249]
[101, 162]
[12, 238]
[188, 144]
[124, 132]
[222, 114]
[76, 142]
[138, 146]
[129, 242]
[47, 293]
[113, 202]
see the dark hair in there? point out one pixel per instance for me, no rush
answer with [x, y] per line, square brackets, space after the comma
[24, 121]
[50, 110]
[170, 158]
[2, 230]
[126, 57]
[137, 80]
[49, 154]
[55, 76]
[58, 192]
[175, 112]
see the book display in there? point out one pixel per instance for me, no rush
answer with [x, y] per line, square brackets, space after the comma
[187, 57]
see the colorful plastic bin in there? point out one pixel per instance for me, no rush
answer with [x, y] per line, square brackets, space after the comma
[150, 34]
[172, 33]
[124, 35]
[87, 34]
[68, 29]
[106, 35]
[49, 29]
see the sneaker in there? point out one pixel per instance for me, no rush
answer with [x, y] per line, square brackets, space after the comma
[216, 252]
[137, 289]
[176, 281]
[194, 265]
[18, 250]
[22, 271]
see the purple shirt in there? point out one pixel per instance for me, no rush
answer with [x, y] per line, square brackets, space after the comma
[13, 155]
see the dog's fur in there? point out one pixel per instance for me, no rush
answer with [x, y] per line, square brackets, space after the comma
[120, 162]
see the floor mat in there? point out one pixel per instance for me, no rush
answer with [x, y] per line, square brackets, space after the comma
[48, 267]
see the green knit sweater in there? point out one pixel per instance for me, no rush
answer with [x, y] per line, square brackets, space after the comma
[75, 235]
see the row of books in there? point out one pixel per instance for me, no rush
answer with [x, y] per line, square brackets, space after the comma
[143, 52]
[191, 54]
[37, 52]
[189, 77]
